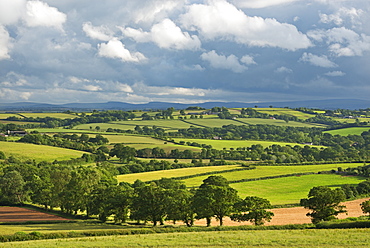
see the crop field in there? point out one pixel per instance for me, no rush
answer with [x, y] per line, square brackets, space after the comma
[3, 116]
[333, 238]
[287, 190]
[53, 115]
[17, 214]
[155, 175]
[211, 122]
[290, 190]
[141, 142]
[268, 171]
[105, 126]
[284, 111]
[352, 120]
[220, 144]
[166, 124]
[62, 130]
[38, 152]
[348, 131]
[257, 121]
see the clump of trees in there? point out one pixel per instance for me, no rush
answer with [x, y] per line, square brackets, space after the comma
[324, 203]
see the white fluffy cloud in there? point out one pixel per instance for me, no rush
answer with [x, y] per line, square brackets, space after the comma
[141, 88]
[115, 49]
[99, 33]
[338, 17]
[283, 69]
[335, 74]
[221, 20]
[4, 43]
[165, 34]
[343, 41]
[256, 4]
[222, 62]
[316, 60]
[11, 11]
[41, 14]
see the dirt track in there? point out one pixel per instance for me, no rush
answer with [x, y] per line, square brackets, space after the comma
[297, 215]
[16, 214]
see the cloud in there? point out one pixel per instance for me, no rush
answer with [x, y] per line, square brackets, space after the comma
[92, 88]
[256, 4]
[166, 35]
[283, 69]
[115, 49]
[5, 43]
[222, 20]
[11, 11]
[338, 17]
[99, 33]
[343, 41]
[41, 14]
[143, 89]
[316, 60]
[153, 10]
[248, 60]
[335, 74]
[222, 62]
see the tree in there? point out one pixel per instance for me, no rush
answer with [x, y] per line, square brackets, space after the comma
[124, 153]
[253, 209]
[324, 203]
[12, 188]
[365, 206]
[214, 198]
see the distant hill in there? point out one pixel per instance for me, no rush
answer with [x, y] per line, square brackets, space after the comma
[319, 104]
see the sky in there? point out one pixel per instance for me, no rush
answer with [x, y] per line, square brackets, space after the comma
[183, 51]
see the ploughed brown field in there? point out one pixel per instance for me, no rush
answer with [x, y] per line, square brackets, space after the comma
[17, 214]
[296, 215]
[283, 216]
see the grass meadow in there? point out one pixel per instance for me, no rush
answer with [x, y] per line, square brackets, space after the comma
[325, 238]
[280, 191]
[38, 152]
[348, 131]
[154, 175]
[290, 190]
[284, 111]
[53, 115]
[256, 121]
[220, 144]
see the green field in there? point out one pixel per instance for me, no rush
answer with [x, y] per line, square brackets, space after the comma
[141, 142]
[352, 120]
[348, 131]
[221, 144]
[257, 121]
[290, 190]
[154, 175]
[284, 111]
[3, 116]
[325, 238]
[268, 171]
[287, 190]
[38, 152]
[53, 115]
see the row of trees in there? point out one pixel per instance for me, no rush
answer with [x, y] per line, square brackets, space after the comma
[94, 190]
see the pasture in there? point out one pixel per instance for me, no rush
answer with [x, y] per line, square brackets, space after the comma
[141, 142]
[276, 122]
[289, 190]
[286, 190]
[38, 152]
[333, 238]
[348, 131]
[52, 115]
[284, 111]
[3, 116]
[155, 175]
[221, 144]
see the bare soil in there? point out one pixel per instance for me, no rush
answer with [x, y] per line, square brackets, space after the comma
[18, 214]
[296, 215]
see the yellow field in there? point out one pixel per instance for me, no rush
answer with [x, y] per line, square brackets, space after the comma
[38, 152]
